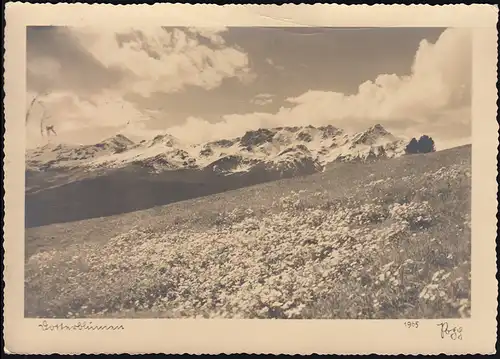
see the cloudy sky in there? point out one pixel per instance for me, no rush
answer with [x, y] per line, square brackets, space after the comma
[201, 84]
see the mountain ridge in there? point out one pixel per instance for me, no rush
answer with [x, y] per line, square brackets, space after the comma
[273, 148]
[117, 175]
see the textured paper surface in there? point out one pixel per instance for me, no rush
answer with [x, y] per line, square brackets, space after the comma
[259, 336]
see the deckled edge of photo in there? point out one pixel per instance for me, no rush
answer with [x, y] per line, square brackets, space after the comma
[24, 336]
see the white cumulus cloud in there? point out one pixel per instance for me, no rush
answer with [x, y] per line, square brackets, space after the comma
[263, 99]
[164, 59]
[439, 85]
[70, 114]
[44, 67]
[157, 60]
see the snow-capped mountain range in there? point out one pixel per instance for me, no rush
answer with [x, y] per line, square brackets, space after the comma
[118, 175]
[282, 149]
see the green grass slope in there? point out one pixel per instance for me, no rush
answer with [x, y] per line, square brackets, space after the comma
[384, 240]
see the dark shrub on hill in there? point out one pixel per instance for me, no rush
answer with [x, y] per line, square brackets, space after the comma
[424, 145]
[412, 147]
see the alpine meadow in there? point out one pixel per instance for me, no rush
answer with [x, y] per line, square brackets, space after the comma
[248, 172]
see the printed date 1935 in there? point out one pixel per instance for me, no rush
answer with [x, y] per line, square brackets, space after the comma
[411, 324]
[448, 331]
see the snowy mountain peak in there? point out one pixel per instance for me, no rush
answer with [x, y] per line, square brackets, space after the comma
[118, 142]
[257, 137]
[165, 139]
[282, 149]
[374, 135]
[295, 151]
[330, 131]
[122, 139]
[224, 143]
[378, 127]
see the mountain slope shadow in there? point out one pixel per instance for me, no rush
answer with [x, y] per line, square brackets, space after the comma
[67, 182]
[127, 190]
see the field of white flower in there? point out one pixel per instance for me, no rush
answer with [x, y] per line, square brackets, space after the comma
[384, 240]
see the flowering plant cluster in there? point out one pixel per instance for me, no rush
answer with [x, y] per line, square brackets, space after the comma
[356, 257]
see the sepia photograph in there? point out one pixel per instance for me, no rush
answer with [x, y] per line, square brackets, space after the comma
[316, 173]
[290, 179]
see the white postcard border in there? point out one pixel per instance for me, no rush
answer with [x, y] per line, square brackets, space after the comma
[24, 336]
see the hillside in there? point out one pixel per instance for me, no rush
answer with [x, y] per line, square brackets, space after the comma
[388, 239]
[119, 176]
